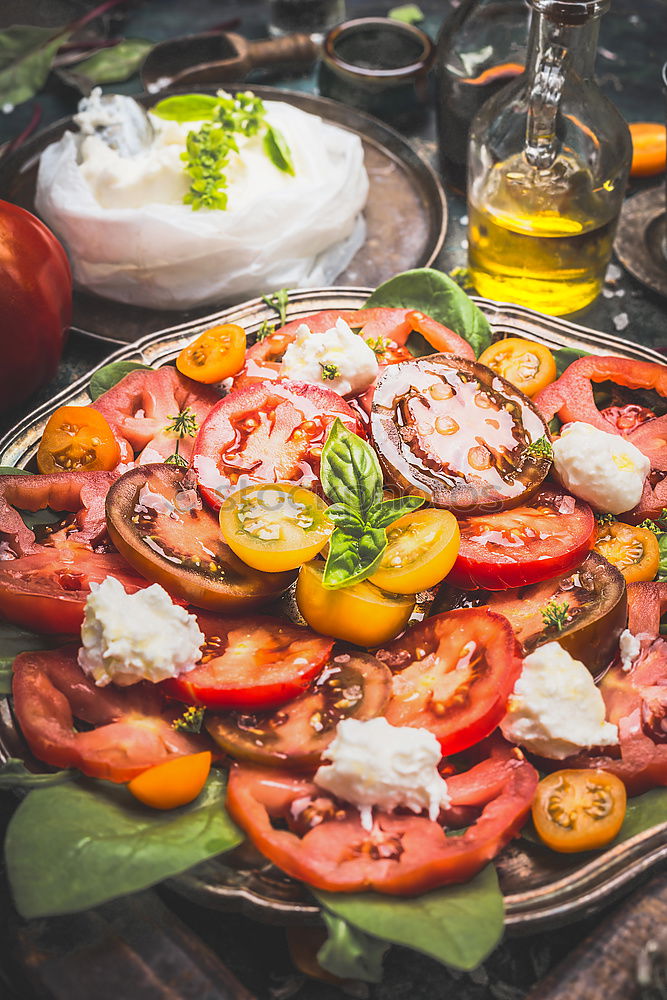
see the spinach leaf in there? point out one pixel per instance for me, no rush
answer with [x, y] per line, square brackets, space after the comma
[187, 108]
[80, 844]
[277, 150]
[14, 774]
[564, 356]
[114, 64]
[441, 298]
[350, 470]
[458, 925]
[26, 54]
[642, 812]
[14, 640]
[353, 557]
[107, 377]
[349, 953]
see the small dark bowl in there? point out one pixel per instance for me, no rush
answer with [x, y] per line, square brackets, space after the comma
[378, 65]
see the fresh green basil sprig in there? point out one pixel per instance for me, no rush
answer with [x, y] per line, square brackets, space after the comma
[352, 480]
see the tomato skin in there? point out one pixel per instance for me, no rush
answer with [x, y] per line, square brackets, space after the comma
[77, 439]
[36, 292]
[633, 550]
[529, 366]
[216, 354]
[331, 854]
[500, 551]
[579, 810]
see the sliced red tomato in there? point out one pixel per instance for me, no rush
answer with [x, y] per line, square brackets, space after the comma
[82, 493]
[47, 591]
[647, 603]
[650, 436]
[626, 418]
[404, 855]
[134, 725]
[143, 406]
[267, 433]
[453, 675]
[550, 535]
[251, 663]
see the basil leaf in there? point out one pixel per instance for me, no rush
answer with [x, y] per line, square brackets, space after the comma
[109, 376]
[80, 844]
[435, 294]
[26, 54]
[458, 925]
[385, 513]
[277, 150]
[114, 64]
[349, 953]
[564, 356]
[187, 108]
[14, 774]
[345, 517]
[353, 558]
[350, 471]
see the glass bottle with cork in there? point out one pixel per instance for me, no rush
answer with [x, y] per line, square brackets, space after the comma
[548, 162]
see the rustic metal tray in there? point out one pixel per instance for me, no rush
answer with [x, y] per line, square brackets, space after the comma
[410, 234]
[541, 889]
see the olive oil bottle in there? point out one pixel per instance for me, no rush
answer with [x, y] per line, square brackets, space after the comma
[548, 163]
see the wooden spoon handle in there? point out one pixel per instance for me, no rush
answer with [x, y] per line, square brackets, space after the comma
[606, 963]
[298, 48]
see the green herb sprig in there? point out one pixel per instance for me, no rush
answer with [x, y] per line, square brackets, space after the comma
[541, 448]
[183, 424]
[329, 371]
[191, 720]
[556, 615]
[601, 519]
[352, 481]
[278, 301]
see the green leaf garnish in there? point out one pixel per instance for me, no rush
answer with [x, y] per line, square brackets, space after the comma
[113, 64]
[350, 470]
[176, 459]
[556, 615]
[350, 953]
[186, 108]
[110, 375]
[206, 156]
[191, 719]
[541, 448]
[266, 329]
[278, 301]
[329, 371]
[277, 150]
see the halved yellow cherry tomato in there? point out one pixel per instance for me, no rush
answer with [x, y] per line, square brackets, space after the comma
[174, 783]
[579, 810]
[649, 148]
[631, 549]
[216, 354]
[275, 526]
[423, 547]
[77, 438]
[528, 366]
[362, 614]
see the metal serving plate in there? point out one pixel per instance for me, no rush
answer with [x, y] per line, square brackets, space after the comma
[542, 889]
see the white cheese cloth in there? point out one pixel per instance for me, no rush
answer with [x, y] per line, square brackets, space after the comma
[279, 231]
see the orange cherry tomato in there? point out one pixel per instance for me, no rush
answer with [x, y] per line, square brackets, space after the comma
[216, 354]
[579, 810]
[529, 366]
[633, 550]
[174, 783]
[649, 148]
[75, 439]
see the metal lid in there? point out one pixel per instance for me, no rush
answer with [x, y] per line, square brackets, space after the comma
[570, 11]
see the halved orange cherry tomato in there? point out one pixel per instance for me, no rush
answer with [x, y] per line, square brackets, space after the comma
[216, 354]
[579, 810]
[174, 783]
[649, 148]
[362, 614]
[527, 365]
[275, 526]
[422, 549]
[631, 549]
[77, 438]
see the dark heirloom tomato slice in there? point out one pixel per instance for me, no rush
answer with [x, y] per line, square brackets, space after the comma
[82, 493]
[267, 433]
[457, 434]
[403, 855]
[156, 520]
[47, 591]
[592, 601]
[550, 535]
[134, 731]
[256, 662]
[453, 675]
[352, 685]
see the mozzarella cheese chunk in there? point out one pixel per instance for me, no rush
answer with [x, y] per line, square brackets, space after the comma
[338, 358]
[629, 647]
[603, 469]
[376, 764]
[555, 708]
[128, 638]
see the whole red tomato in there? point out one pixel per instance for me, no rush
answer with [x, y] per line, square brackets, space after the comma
[35, 303]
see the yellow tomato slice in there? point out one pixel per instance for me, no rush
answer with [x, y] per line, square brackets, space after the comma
[422, 549]
[579, 810]
[216, 354]
[275, 526]
[362, 614]
[631, 549]
[174, 783]
[529, 366]
[77, 438]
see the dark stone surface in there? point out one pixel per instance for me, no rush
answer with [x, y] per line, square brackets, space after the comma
[633, 46]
